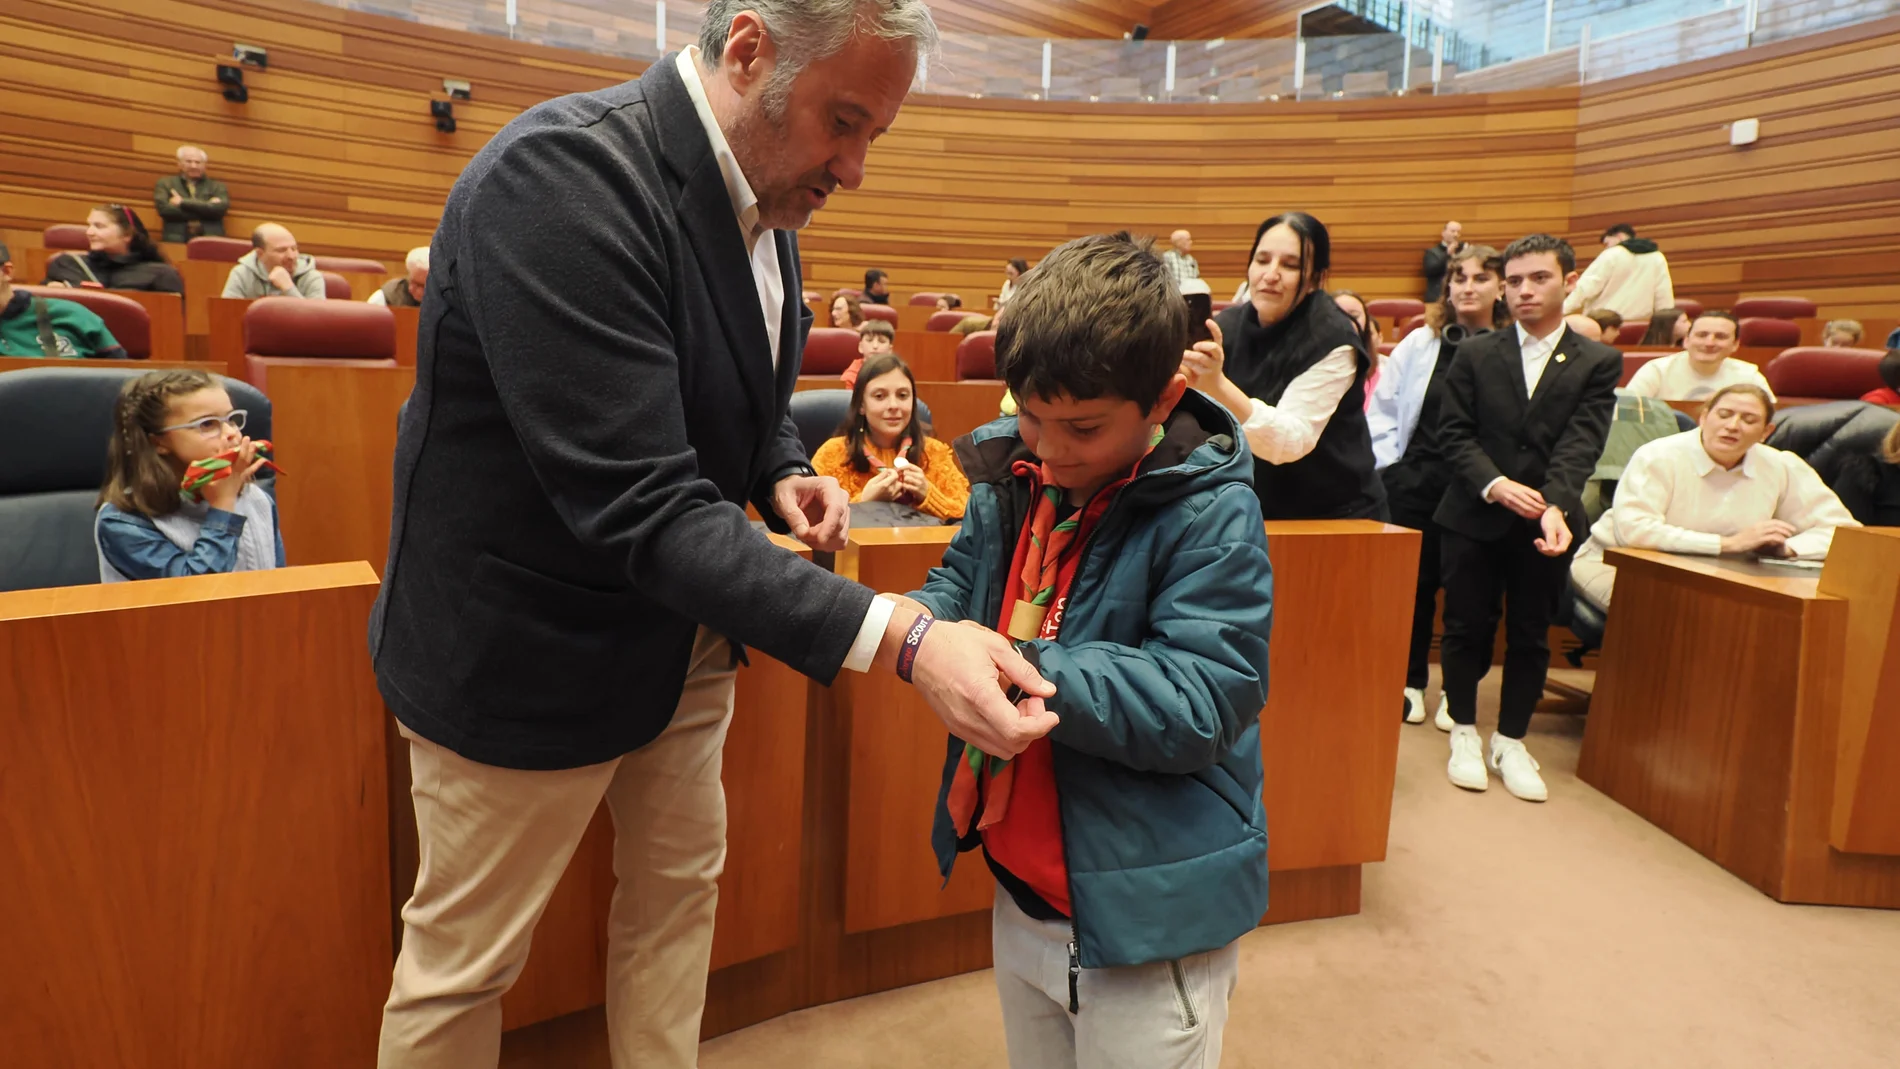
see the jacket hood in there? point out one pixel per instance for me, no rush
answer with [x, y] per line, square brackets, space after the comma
[306, 263]
[1201, 448]
[1640, 246]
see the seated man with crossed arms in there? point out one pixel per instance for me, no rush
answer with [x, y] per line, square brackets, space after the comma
[1712, 491]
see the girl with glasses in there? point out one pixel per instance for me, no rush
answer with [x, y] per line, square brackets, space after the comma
[147, 528]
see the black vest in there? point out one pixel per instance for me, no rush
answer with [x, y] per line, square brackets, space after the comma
[1336, 480]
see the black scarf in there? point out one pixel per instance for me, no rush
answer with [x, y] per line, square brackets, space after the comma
[1264, 361]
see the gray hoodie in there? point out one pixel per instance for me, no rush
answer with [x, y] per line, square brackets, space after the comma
[249, 280]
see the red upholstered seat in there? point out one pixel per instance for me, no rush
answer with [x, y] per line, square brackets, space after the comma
[1630, 333]
[335, 286]
[829, 350]
[847, 290]
[924, 298]
[127, 319]
[351, 263]
[1774, 308]
[1760, 331]
[1407, 325]
[941, 321]
[1834, 374]
[284, 331]
[880, 311]
[66, 236]
[1395, 308]
[976, 356]
[1689, 308]
[1632, 363]
[217, 250]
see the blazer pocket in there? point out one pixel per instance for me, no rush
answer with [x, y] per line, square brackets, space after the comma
[531, 645]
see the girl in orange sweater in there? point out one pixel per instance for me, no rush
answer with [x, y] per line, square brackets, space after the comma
[883, 451]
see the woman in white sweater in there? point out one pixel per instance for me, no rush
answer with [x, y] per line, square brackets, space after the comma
[1713, 491]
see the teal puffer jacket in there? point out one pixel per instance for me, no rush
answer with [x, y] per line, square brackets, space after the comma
[1161, 673]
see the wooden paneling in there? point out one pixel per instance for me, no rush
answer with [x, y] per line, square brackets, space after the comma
[1735, 755]
[22, 363]
[1201, 20]
[957, 408]
[1041, 18]
[334, 429]
[1863, 568]
[931, 354]
[193, 806]
[1812, 208]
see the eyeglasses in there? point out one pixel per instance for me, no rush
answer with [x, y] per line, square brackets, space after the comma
[210, 426]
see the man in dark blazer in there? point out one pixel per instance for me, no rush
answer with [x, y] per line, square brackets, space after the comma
[1438, 260]
[607, 349]
[1525, 414]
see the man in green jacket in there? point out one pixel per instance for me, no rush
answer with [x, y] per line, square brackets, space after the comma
[40, 326]
[191, 204]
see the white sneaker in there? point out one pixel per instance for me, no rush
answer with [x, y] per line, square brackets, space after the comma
[1466, 767]
[1517, 767]
[1414, 705]
[1442, 720]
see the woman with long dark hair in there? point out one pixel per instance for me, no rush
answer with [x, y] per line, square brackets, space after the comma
[120, 256]
[884, 452]
[1292, 367]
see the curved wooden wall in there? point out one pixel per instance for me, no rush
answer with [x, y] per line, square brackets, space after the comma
[336, 142]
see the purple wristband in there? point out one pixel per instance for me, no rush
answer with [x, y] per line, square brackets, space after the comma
[913, 641]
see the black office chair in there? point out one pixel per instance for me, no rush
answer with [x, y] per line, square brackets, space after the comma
[1841, 441]
[55, 423]
[817, 414]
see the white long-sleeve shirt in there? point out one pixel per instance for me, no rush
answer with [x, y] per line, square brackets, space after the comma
[1399, 395]
[1633, 286]
[1283, 433]
[1674, 497]
[1676, 378]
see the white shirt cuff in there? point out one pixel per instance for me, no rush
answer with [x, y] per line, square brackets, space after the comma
[1488, 487]
[870, 635]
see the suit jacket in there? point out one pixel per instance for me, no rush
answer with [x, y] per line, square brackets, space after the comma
[1549, 441]
[595, 401]
[191, 209]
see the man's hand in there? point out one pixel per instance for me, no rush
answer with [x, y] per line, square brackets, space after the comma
[1556, 540]
[215, 200]
[280, 277]
[176, 199]
[962, 673]
[1520, 499]
[816, 508]
[1768, 538]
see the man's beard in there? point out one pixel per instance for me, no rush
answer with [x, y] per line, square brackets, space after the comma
[759, 143]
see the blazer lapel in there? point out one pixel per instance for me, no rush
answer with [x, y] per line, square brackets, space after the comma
[1513, 356]
[791, 331]
[1560, 362]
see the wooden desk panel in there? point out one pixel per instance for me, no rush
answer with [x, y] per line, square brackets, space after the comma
[26, 363]
[1863, 569]
[932, 354]
[408, 322]
[363, 283]
[334, 429]
[957, 408]
[912, 317]
[198, 868]
[760, 899]
[224, 327]
[204, 283]
[167, 313]
[1733, 754]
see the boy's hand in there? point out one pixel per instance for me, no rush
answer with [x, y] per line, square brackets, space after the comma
[1556, 538]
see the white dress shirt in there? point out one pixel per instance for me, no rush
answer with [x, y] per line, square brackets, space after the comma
[1674, 497]
[1399, 395]
[763, 251]
[1536, 352]
[1283, 433]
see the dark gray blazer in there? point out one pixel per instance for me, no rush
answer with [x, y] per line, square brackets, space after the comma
[1549, 440]
[594, 404]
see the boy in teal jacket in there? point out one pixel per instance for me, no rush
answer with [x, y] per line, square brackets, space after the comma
[1113, 532]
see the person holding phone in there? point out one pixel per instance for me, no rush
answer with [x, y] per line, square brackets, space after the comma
[1292, 367]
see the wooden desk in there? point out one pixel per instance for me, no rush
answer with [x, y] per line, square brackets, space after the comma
[1717, 717]
[204, 283]
[334, 430]
[1863, 568]
[760, 893]
[957, 408]
[197, 868]
[932, 354]
[224, 333]
[408, 322]
[912, 317]
[167, 313]
[25, 363]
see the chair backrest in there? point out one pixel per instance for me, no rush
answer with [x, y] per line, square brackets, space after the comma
[341, 330]
[879, 311]
[217, 250]
[1835, 438]
[1407, 325]
[57, 420]
[842, 291]
[1631, 333]
[1690, 308]
[1761, 331]
[127, 319]
[1632, 363]
[1395, 308]
[350, 263]
[976, 356]
[925, 299]
[66, 236]
[828, 351]
[335, 286]
[1810, 371]
[941, 321]
[819, 413]
[1774, 308]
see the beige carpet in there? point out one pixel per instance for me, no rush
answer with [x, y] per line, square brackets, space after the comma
[1497, 932]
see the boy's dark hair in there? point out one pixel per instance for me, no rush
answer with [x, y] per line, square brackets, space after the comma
[1717, 313]
[856, 432]
[1100, 316]
[877, 326]
[1624, 229]
[1532, 244]
[1890, 369]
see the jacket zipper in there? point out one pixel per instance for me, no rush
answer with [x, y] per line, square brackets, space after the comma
[1188, 1016]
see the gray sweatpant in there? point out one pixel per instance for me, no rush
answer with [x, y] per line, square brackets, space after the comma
[1165, 1015]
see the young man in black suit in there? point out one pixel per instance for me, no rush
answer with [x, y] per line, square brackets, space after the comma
[1525, 414]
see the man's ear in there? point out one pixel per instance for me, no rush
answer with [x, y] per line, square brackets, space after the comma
[1170, 397]
[1570, 281]
[750, 53]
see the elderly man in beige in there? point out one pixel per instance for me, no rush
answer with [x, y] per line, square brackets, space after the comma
[1713, 491]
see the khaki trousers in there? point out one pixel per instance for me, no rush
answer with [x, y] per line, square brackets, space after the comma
[1595, 580]
[494, 842]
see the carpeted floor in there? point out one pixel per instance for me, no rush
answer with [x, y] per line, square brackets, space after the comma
[1497, 932]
